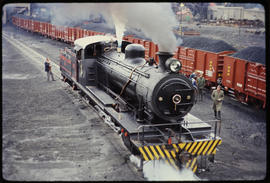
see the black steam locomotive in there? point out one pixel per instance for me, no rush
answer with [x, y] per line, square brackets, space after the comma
[154, 93]
[148, 103]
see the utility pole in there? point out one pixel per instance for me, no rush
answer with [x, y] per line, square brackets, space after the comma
[240, 22]
[180, 26]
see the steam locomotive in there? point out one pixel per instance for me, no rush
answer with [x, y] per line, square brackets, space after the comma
[147, 102]
[156, 93]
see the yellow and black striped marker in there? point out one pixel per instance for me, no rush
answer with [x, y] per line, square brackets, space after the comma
[196, 148]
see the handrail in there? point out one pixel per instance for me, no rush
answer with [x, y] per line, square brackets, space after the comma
[181, 124]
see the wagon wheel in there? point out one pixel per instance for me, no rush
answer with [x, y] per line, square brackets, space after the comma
[74, 87]
[239, 96]
[257, 103]
[63, 77]
[82, 93]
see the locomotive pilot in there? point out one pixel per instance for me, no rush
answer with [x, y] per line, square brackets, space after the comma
[217, 96]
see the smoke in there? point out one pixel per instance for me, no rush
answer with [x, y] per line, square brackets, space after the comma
[159, 170]
[155, 20]
[119, 23]
[71, 13]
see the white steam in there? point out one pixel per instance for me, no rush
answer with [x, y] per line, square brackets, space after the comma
[119, 22]
[159, 170]
[155, 20]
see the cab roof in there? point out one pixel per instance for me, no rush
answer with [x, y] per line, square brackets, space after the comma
[81, 43]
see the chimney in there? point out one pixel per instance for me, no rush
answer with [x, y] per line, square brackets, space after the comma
[163, 56]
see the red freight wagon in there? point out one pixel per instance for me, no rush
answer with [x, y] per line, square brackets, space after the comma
[150, 49]
[53, 33]
[256, 82]
[190, 60]
[36, 26]
[129, 39]
[79, 33]
[65, 38]
[60, 31]
[49, 30]
[247, 79]
[21, 22]
[56, 30]
[85, 33]
[210, 63]
[14, 20]
[98, 33]
[46, 29]
[71, 34]
[32, 25]
[136, 41]
[29, 25]
[89, 33]
[182, 53]
[43, 28]
[25, 26]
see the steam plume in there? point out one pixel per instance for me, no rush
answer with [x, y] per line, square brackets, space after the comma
[155, 20]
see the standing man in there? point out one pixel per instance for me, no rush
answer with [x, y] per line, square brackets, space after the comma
[217, 96]
[201, 84]
[195, 86]
[48, 69]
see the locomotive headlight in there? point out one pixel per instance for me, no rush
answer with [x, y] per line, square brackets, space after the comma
[173, 65]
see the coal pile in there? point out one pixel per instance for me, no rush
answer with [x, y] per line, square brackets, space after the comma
[252, 53]
[137, 34]
[99, 27]
[206, 44]
[105, 28]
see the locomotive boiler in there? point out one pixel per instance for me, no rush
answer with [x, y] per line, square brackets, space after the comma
[154, 92]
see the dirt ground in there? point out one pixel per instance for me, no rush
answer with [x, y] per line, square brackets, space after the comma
[50, 134]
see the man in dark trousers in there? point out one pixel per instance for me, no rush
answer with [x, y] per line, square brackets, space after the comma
[201, 84]
[48, 69]
[217, 96]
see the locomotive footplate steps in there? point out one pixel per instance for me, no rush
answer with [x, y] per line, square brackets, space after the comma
[103, 97]
[194, 124]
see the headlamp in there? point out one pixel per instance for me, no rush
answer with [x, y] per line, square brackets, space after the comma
[173, 65]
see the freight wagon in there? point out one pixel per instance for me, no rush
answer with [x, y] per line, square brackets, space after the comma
[246, 79]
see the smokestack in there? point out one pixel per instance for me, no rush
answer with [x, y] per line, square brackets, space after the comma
[163, 56]
[118, 49]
